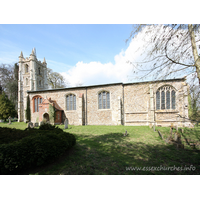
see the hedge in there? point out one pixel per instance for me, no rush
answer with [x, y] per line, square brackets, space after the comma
[37, 149]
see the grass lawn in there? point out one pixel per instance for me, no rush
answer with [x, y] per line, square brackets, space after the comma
[104, 150]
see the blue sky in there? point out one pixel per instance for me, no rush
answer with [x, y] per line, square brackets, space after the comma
[85, 54]
[64, 45]
[82, 40]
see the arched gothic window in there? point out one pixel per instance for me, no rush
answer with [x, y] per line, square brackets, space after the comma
[104, 100]
[39, 72]
[36, 101]
[166, 98]
[26, 68]
[71, 102]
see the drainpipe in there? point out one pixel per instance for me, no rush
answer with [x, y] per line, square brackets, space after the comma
[123, 105]
[86, 108]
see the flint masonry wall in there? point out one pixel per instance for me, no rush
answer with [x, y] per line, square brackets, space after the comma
[96, 116]
[140, 104]
[136, 104]
[130, 104]
[180, 114]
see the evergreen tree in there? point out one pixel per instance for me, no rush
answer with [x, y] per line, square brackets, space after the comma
[28, 111]
[7, 108]
[9, 81]
[1, 89]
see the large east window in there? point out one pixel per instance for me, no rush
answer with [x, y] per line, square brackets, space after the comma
[71, 102]
[166, 98]
[104, 100]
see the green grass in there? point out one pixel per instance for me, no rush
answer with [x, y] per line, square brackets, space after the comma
[104, 150]
[17, 125]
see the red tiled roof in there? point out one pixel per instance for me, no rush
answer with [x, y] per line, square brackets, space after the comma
[49, 101]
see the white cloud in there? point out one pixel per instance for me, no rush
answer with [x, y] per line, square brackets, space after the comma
[98, 73]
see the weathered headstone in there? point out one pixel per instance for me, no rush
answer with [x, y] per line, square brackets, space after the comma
[30, 125]
[125, 134]
[66, 123]
[9, 119]
[154, 127]
[41, 123]
[36, 124]
[177, 137]
[159, 133]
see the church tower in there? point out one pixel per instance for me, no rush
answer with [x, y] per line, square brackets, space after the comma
[32, 77]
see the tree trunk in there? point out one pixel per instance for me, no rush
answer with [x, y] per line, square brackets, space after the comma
[194, 51]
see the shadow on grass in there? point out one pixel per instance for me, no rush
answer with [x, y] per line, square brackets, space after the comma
[115, 154]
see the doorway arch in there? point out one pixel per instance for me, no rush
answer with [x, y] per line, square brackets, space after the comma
[46, 116]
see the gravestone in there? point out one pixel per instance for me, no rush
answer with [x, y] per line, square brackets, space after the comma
[66, 123]
[9, 119]
[36, 124]
[154, 127]
[177, 137]
[125, 134]
[41, 123]
[30, 125]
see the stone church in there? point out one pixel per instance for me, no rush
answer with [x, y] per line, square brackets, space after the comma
[136, 104]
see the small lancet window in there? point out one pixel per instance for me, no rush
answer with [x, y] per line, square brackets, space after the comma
[26, 68]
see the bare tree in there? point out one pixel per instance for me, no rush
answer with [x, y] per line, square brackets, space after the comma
[55, 80]
[168, 51]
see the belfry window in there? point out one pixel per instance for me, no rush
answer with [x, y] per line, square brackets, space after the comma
[166, 98]
[39, 72]
[36, 101]
[71, 102]
[26, 68]
[104, 100]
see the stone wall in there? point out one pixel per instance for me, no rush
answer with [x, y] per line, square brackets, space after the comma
[130, 104]
[96, 116]
[140, 104]
[136, 104]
